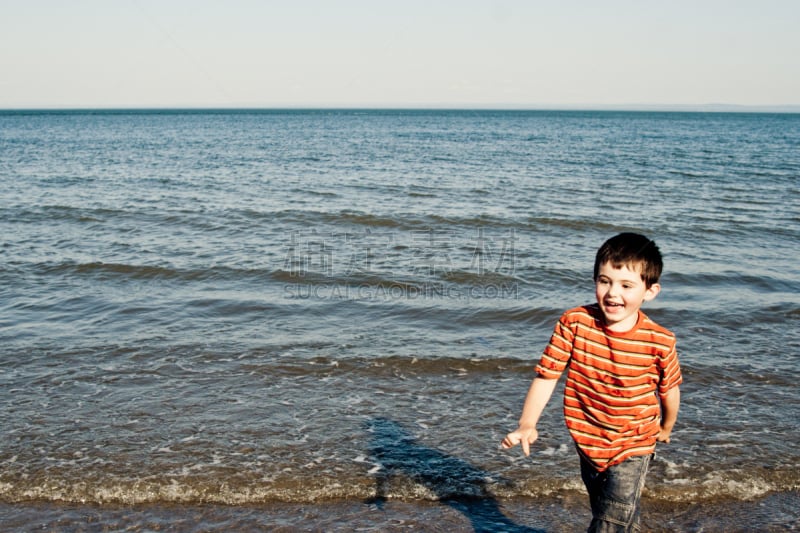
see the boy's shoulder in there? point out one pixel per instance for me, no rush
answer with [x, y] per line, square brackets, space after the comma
[648, 325]
[589, 313]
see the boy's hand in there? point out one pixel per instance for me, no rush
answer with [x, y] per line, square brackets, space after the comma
[663, 435]
[524, 436]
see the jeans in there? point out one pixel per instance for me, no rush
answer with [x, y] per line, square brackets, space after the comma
[614, 494]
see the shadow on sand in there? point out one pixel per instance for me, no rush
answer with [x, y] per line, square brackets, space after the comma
[455, 482]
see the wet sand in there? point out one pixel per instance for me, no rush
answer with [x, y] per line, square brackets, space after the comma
[567, 512]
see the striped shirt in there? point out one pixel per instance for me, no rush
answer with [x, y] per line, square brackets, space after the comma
[611, 397]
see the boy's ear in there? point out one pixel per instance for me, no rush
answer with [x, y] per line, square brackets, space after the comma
[652, 291]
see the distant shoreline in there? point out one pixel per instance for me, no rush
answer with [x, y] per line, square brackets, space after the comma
[710, 108]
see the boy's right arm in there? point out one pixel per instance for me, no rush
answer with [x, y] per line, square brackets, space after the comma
[538, 395]
[670, 403]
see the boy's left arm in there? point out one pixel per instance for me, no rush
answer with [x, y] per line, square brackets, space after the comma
[670, 403]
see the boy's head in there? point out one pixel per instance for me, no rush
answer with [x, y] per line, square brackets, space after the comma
[626, 272]
[634, 251]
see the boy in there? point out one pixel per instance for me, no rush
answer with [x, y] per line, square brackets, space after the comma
[621, 394]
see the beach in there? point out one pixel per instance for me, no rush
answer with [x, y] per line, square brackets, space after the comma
[327, 320]
[567, 513]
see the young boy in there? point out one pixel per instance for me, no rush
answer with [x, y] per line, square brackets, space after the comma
[621, 394]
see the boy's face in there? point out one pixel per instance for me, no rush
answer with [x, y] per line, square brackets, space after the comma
[620, 293]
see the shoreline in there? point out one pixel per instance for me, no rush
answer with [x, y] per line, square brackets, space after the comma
[564, 512]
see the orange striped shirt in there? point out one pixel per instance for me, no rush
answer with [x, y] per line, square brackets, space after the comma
[611, 397]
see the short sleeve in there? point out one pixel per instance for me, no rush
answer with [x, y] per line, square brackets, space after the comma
[670, 371]
[558, 351]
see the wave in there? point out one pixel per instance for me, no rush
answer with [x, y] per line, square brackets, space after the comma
[370, 220]
[412, 472]
[400, 221]
[235, 220]
[231, 222]
[731, 278]
[140, 272]
[134, 272]
[465, 277]
[574, 223]
[313, 192]
[406, 284]
[59, 213]
[389, 365]
[106, 218]
[277, 359]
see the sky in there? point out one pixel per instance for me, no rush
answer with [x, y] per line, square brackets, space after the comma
[410, 53]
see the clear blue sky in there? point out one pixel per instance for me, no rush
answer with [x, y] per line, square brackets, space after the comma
[270, 53]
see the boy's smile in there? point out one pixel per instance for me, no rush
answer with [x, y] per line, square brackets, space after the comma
[620, 293]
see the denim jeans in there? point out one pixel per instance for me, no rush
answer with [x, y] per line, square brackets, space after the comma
[614, 494]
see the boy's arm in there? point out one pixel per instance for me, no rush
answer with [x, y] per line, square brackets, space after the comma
[538, 395]
[670, 403]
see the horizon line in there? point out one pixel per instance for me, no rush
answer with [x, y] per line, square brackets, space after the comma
[699, 108]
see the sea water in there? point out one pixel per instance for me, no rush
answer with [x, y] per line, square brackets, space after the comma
[342, 309]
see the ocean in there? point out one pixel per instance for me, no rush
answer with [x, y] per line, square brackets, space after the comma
[327, 320]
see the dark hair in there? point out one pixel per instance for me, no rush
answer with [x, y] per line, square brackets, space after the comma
[632, 250]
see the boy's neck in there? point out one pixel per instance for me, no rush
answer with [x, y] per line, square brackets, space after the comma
[623, 326]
